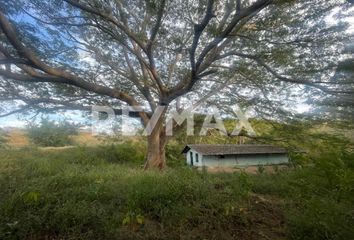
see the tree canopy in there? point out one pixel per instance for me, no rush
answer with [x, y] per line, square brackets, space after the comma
[269, 54]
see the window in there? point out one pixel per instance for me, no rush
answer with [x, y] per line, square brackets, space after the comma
[196, 157]
[191, 156]
[221, 156]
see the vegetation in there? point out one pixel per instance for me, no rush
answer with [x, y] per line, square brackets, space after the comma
[49, 133]
[3, 138]
[90, 192]
[81, 193]
[267, 54]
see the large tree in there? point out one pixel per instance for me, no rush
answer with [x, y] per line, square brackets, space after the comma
[70, 54]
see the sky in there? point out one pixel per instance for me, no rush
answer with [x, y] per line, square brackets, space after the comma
[20, 121]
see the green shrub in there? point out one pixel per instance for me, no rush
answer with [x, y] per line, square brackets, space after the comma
[174, 155]
[122, 153]
[320, 218]
[50, 133]
[127, 152]
[260, 169]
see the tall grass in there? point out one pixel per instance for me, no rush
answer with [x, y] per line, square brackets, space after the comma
[103, 193]
[50, 133]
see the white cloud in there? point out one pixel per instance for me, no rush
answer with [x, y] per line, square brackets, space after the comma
[12, 122]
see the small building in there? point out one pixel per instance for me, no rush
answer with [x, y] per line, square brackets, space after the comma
[211, 155]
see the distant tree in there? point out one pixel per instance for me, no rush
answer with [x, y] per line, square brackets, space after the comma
[70, 54]
[49, 133]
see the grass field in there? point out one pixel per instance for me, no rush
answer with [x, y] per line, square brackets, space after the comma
[95, 193]
[17, 138]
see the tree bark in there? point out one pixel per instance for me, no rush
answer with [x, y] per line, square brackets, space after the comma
[156, 143]
[156, 151]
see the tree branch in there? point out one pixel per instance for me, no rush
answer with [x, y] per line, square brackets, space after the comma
[198, 30]
[108, 18]
[250, 11]
[156, 27]
[283, 78]
[55, 75]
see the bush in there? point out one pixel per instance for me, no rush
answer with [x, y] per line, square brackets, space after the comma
[50, 133]
[174, 155]
[127, 153]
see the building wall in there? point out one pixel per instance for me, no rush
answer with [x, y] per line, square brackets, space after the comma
[195, 163]
[238, 160]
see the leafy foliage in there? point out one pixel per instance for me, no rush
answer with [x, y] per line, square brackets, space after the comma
[266, 54]
[277, 47]
[320, 197]
[124, 153]
[50, 133]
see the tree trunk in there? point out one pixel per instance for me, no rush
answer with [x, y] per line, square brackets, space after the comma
[156, 143]
[156, 151]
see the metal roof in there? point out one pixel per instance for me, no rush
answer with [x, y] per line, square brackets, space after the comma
[233, 149]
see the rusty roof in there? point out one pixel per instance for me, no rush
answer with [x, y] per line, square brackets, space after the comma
[233, 149]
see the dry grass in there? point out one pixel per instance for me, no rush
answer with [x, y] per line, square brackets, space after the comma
[85, 137]
[17, 138]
